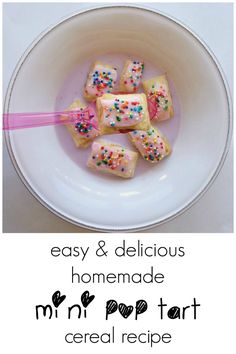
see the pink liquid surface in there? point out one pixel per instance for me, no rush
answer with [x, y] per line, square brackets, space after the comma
[72, 89]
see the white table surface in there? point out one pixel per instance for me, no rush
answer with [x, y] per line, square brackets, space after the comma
[23, 22]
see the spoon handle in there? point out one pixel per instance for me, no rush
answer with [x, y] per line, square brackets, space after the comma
[13, 121]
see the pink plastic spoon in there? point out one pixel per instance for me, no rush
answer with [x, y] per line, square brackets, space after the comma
[13, 121]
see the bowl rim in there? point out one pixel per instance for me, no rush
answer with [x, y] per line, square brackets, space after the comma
[117, 228]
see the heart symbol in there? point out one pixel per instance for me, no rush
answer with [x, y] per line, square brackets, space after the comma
[86, 299]
[57, 298]
[125, 311]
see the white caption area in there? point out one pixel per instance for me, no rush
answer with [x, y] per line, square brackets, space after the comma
[31, 275]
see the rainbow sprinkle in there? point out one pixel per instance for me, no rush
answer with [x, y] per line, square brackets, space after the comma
[116, 158]
[122, 112]
[101, 80]
[86, 124]
[150, 144]
[132, 76]
[159, 96]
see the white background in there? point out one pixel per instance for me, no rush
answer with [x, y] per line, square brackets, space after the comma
[23, 22]
[31, 275]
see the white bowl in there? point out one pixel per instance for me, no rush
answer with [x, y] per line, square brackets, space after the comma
[63, 184]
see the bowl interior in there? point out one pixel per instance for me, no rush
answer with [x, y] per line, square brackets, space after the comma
[68, 187]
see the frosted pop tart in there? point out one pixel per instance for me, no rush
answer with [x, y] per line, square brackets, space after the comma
[117, 113]
[159, 98]
[101, 79]
[131, 76]
[112, 158]
[152, 144]
[85, 128]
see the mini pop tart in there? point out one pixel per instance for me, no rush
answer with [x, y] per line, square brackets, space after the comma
[117, 113]
[112, 158]
[159, 98]
[151, 144]
[85, 127]
[131, 76]
[101, 79]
